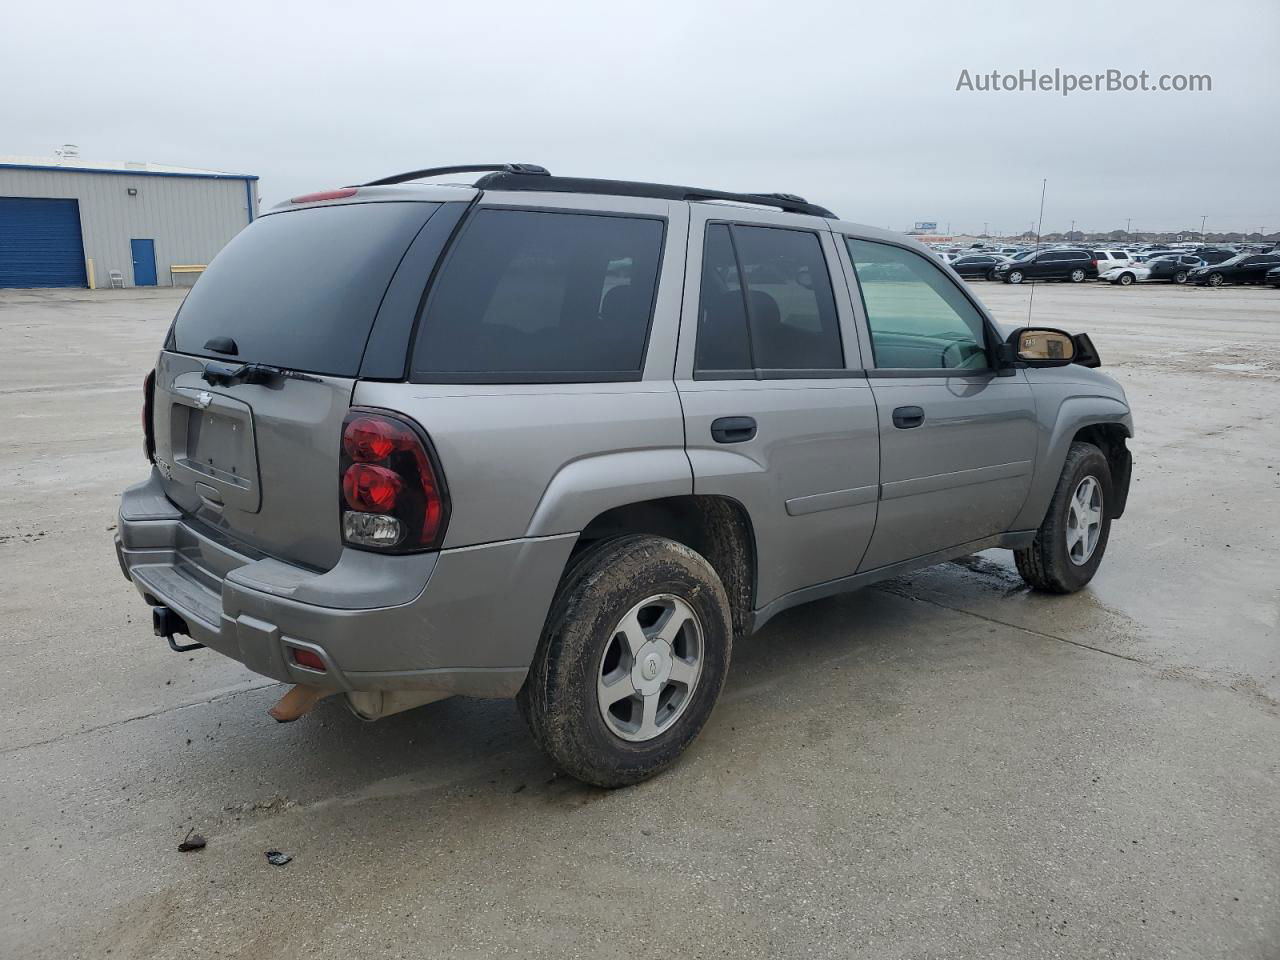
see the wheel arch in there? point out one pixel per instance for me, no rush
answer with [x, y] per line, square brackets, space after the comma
[717, 527]
[1102, 420]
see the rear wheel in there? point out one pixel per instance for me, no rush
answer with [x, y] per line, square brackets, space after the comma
[632, 659]
[991, 275]
[1077, 275]
[1069, 545]
[1180, 277]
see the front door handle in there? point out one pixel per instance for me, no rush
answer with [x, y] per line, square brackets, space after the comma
[733, 429]
[907, 417]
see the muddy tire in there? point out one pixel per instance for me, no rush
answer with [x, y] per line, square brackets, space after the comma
[632, 659]
[1073, 536]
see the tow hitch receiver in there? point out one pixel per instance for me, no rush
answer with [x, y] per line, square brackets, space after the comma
[166, 624]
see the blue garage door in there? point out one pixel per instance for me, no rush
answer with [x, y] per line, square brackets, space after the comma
[40, 243]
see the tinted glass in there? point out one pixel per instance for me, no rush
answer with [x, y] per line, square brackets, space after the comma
[918, 319]
[790, 305]
[300, 289]
[722, 313]
[542, 295]
[786, 317]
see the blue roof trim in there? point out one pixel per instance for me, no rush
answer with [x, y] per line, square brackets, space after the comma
[129, 173]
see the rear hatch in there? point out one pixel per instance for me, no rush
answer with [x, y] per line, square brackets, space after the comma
[258, 372]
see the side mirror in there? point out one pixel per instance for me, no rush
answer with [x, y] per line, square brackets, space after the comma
[1041, 347]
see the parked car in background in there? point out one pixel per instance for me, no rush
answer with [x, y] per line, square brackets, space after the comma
[1065, 264]
[978, 266]
[1214, 255]
[1111, 258]
[1273, 277]
[1173, 267]
[1124, 276]
[1241, 269]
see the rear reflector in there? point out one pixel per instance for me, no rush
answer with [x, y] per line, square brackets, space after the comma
[325, 195]
[307, 658]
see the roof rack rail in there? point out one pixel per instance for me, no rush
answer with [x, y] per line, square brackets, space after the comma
[511, 179]
[526, 169]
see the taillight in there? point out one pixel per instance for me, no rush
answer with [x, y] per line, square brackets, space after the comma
[1094, 264]
[148, 419]
[393, 496]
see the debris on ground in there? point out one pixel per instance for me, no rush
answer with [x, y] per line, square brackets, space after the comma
[278, 859]
[192, 841]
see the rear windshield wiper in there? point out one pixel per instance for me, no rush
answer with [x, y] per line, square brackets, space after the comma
[228, 375]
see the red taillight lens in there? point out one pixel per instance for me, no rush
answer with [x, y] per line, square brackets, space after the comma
[367, 440]
[393, 494]
[148, 418]
[370, 488]
[1094, 264]
[325, 195]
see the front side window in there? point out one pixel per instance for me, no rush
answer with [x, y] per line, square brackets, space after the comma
[918, 319]
[766, 302]
[530, 296]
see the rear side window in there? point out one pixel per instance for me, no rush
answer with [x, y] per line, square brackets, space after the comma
[766, 302]
[530, 296]
[300, 289]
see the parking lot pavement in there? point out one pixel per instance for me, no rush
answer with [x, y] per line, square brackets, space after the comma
[945, 765]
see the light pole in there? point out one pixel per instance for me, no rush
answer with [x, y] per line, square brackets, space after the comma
[1072, 234]
[1127, 224]
[984, 228]
[1202, 220]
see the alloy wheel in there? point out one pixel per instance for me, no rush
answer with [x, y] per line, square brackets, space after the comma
[1084, 521]
[650, 668]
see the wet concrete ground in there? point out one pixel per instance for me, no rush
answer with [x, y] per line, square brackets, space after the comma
[945, 765]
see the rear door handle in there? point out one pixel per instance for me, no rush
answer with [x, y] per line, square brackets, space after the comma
[733, 429]
[907, 417]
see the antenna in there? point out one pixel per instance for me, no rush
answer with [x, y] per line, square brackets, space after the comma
[1044, 185]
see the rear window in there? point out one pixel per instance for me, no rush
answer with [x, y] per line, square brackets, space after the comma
[533, 296]
[300, 289]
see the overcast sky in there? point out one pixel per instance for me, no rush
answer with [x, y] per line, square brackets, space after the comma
[852, 106]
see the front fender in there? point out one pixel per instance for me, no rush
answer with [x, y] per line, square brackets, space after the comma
[1072, 414]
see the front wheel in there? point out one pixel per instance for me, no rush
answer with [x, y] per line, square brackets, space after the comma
[1069, 545]
[1077, 276]
[1215, 279]
[1125, 279]
[1014, 276]
[632, 659]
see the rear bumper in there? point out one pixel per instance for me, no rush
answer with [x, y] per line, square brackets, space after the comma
[463, 621]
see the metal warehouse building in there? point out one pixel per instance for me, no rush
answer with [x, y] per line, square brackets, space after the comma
[65, 222]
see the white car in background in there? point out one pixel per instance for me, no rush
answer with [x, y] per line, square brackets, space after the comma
[1112, 258]
[1125, 274]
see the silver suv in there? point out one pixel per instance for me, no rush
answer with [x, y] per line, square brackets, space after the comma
[569, 440]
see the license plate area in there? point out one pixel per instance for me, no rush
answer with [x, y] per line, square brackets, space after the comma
[214, 449]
